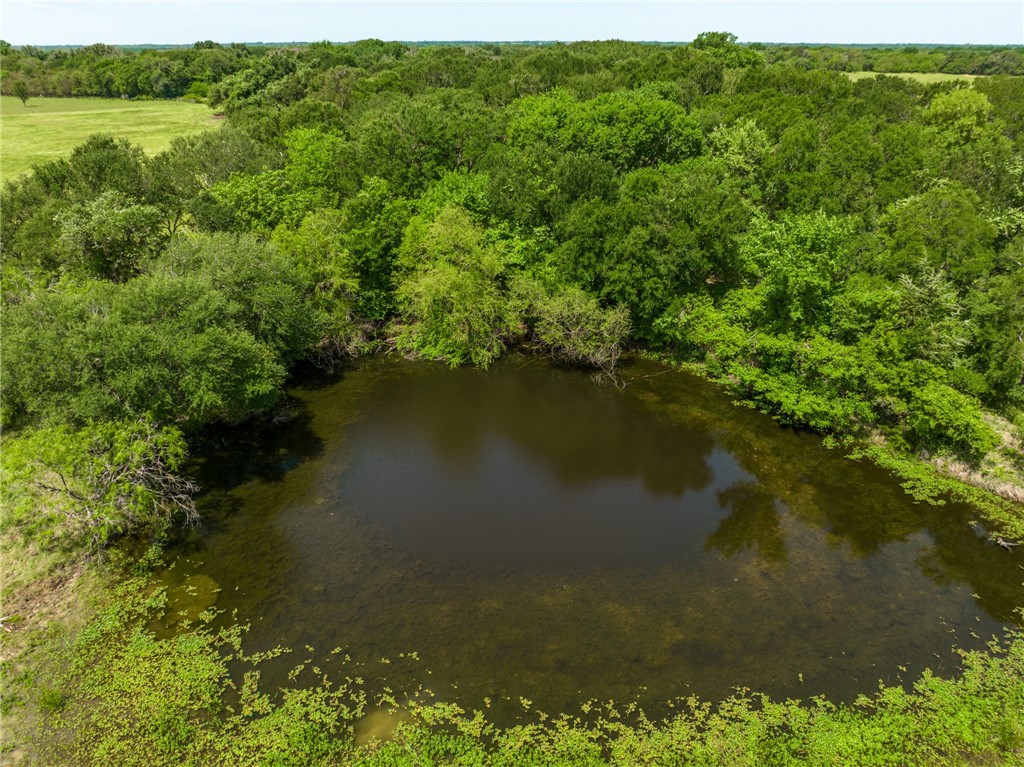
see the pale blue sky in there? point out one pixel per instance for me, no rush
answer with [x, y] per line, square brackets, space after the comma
[41, 22]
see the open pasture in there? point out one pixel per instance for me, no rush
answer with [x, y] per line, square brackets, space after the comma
[921, 77]
[47, 128]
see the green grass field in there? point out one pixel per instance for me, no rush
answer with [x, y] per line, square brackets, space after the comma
[48, 128]
[921, 77]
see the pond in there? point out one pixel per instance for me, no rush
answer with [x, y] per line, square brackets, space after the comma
[527, 532]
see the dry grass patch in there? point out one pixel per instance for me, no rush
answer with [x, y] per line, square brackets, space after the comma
[920, 77]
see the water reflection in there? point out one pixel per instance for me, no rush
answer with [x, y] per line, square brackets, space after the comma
[527, 532]
[524, 467]
[753, 522]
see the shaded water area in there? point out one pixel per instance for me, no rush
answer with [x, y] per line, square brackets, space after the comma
[526, 531]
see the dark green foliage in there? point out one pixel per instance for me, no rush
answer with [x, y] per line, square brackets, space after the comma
[20, 90]
[173, 347]
[109, 237]
[942, 228]
[329, 269]
[996, 345]
[413, 140]
[105, 164]
[629, 129]
[374, 224]
[264, 288]
[671, 230]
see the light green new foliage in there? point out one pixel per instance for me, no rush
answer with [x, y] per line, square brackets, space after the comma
[80, 488]
[797, 262]
[118, 694]
[451, 302]
[45, 129]
[574, 327]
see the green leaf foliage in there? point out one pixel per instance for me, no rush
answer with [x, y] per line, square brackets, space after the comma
[265, 287]
[136, 699]
[109, 237]
[574, 328]
[79, 489]
[847, 255]
[173, 347]
[451, 303]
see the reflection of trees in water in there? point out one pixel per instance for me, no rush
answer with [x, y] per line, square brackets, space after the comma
[580, 431]
[859, 505]
[753, 522]
[658, 430]
[266, 450]
[310, 576]
[962, 554]
[863, 508]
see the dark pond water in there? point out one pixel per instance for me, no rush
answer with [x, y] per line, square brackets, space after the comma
[528, 532]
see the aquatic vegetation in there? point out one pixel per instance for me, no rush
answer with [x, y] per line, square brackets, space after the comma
[121, 695]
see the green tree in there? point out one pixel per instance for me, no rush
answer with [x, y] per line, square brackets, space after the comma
[267, 289]
[105, 164]
[21, 91]
[319, 161]
[330, 271]
[574, 328]
[374, 225]
[179, 177]
[110, 236]
[943, 229]
[170, 346]
[996, 346]
[81, 488]
[450, 302]
[932, 326]
[969, 145]
[797, 265]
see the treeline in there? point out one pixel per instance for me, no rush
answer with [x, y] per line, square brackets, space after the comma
[846, 255]
[182, 72]
[945, 59]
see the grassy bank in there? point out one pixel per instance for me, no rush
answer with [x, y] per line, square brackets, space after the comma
[120, 694]
[47, 128]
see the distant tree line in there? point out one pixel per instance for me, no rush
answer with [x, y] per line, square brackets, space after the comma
[193, 72]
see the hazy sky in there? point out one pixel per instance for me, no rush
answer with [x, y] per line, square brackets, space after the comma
[41, 22]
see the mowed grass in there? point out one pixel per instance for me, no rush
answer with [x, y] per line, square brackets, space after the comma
[48, 128]
[921, 77]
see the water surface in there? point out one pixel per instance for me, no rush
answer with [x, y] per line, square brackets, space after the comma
[525, 531]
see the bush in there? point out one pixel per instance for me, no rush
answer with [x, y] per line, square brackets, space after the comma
[82, 488]
[943, 419]
[574, 328]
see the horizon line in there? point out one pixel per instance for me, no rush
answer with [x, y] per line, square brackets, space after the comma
[516, 42]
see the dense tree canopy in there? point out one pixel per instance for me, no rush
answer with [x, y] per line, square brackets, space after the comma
[846, 255]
